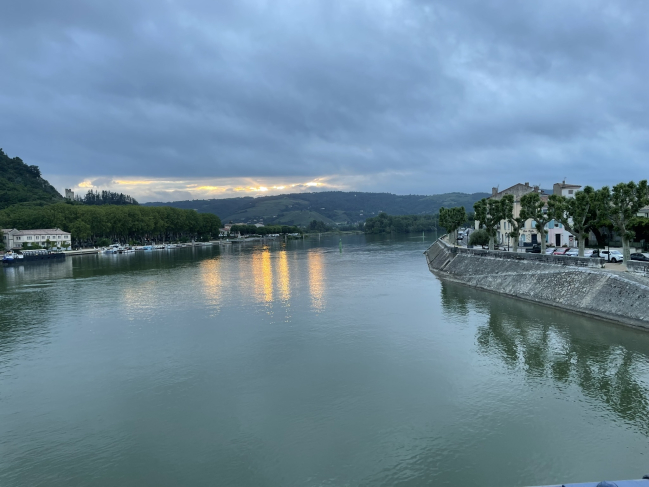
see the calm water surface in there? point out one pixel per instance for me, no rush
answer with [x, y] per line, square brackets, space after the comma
[297, 365]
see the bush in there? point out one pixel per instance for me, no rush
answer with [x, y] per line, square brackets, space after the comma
[479, 237]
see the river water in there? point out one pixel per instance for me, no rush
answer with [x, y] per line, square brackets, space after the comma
[296, 364]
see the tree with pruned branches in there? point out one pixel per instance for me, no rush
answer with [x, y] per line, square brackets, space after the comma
[489, 213]
[533, 207]
[452, 219]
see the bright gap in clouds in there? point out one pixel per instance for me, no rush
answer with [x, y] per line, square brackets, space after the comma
[145, 190]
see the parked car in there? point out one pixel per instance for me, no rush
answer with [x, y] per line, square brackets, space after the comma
[549, 251]
[561, 251]
[639, 256]
[573, 252]
[534, 249]
[612, 255]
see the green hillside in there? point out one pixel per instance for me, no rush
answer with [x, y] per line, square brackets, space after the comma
[331, 206]
[20, 183]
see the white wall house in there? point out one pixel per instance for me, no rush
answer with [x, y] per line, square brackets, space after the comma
[14, 239]
[556, 234]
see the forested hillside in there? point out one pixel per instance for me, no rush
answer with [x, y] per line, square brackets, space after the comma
[20, 183]
[330, 207]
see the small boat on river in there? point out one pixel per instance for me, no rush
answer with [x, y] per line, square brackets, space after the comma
[24, 256]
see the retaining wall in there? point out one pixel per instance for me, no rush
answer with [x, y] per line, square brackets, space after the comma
[638, 267]
[572, 283]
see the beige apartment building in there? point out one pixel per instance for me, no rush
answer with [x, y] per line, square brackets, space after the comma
[556, 234]
[14, 239]
[528, 234]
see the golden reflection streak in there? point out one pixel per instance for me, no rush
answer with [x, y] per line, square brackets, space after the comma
[210, 275]
[316, 280]
[284, 280]
[262, 276]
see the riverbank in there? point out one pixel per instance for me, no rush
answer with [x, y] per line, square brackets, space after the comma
[576, 284]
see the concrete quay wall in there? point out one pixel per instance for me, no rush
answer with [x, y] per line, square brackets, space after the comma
[572, 283]
[638, 267]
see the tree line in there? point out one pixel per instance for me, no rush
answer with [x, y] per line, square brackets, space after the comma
[90, 225]
[266, 230]
[384, 223]
[106, 198]
[590, 210]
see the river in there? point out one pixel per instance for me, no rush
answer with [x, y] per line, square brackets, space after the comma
[297, 364]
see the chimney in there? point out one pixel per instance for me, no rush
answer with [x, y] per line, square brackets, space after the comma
[527, 185]
[494, 191]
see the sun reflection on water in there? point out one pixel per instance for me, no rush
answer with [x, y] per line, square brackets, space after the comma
[283, 275]
[262, 276]
[212, 282]
[316, 280]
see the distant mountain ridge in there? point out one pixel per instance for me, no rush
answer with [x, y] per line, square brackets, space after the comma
[20, 183]
[332, 207]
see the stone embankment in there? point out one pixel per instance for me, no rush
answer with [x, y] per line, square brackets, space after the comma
[576, 284]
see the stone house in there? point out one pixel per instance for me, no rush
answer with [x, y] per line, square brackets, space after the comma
[14, 239]
[529, 236]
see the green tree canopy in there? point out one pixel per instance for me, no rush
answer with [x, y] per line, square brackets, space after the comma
[489, 213]
[575, 214]
[479, 237]
[385, 223]
[452, 219]
[533, 207]
[624, 203]
[87, 223]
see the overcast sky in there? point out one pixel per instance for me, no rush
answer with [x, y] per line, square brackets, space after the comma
[190, 99]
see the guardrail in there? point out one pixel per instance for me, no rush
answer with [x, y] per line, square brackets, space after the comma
[564, 260]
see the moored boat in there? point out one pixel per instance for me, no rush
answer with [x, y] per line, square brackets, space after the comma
[24, 256]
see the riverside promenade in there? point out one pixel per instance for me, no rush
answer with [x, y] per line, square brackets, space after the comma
[579, 284]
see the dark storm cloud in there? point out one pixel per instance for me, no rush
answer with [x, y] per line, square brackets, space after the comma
[413, 96]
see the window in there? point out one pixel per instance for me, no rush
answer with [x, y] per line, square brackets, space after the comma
[17, 238]
[570, 191]
[29, 238]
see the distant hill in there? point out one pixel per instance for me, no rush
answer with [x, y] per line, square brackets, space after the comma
[20, 183]
[332, 207]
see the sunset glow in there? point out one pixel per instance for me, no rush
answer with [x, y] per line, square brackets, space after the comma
[145, 189]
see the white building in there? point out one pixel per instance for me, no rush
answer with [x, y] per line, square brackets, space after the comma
[14, 239]
[556, 234]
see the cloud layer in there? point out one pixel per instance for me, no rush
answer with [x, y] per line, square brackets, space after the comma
[388, 95]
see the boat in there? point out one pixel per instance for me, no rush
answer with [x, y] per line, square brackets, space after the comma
[25, 256]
